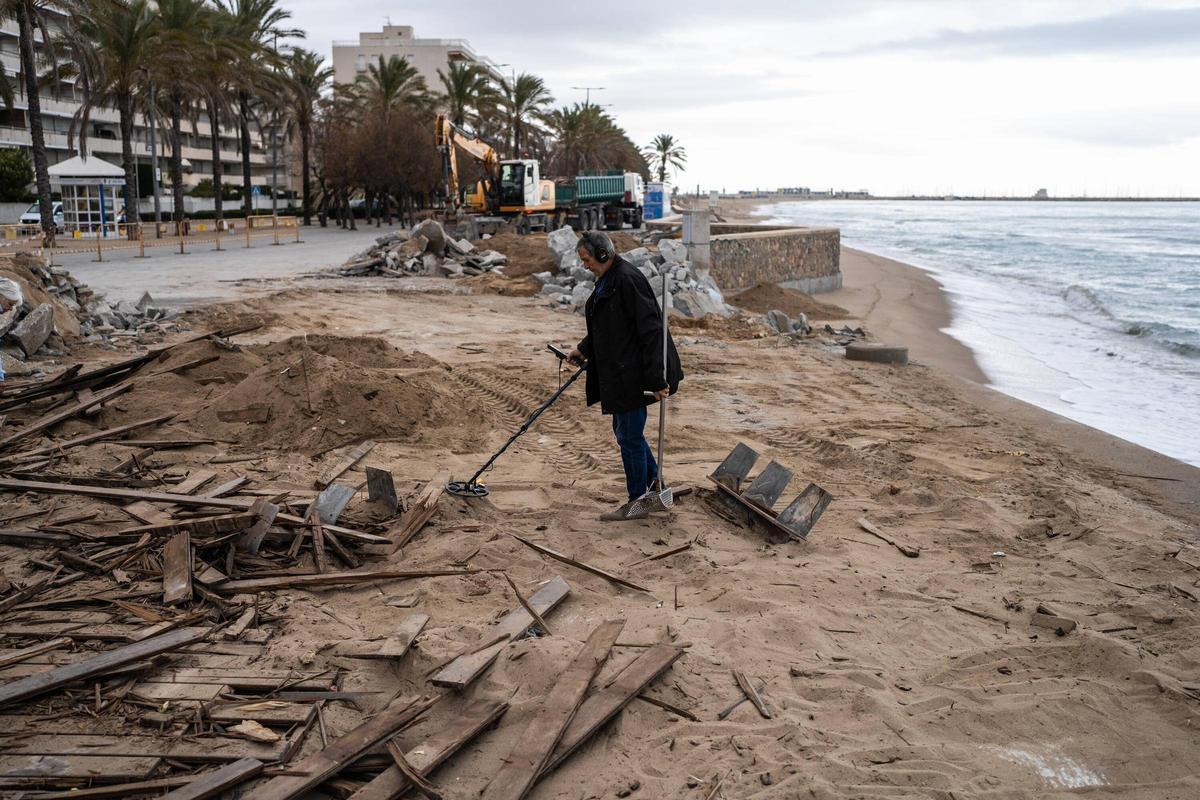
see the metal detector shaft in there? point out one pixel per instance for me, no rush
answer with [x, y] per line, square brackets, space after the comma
[525, 425]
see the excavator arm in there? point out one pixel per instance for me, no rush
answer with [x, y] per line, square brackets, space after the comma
[449, 138]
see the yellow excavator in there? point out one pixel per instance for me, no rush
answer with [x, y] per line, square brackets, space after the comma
[509, 187]
[514, 189]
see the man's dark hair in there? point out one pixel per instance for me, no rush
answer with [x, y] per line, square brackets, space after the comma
[598, 245]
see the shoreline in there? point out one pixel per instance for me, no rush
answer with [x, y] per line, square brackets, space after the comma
[903, 304]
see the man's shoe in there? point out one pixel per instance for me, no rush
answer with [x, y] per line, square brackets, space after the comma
[629, 511]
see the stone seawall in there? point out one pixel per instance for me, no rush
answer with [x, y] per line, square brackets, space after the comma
[807, 259]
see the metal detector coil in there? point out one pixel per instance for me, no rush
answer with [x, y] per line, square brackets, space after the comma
[472, 487]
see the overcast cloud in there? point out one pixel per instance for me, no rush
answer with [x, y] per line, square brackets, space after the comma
[894, 96]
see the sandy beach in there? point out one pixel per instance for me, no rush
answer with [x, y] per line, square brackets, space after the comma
[884, 675]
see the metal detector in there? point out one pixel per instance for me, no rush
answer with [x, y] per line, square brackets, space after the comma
[472, 487]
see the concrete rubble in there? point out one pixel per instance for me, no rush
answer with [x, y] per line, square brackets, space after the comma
[693, 294]
[425, 250]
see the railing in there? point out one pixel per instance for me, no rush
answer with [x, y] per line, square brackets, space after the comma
[140, 236]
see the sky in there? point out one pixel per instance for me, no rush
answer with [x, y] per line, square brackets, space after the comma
[898, 97]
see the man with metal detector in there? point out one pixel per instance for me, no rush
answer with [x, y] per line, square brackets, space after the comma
[632, 362]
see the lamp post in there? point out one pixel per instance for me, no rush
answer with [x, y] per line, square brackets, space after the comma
[589, 89]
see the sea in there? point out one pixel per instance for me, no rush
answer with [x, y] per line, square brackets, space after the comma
[1088, 309]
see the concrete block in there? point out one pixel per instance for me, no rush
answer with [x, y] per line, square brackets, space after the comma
[460, 246]
[434, 233]
[673, 251]
[32, 332]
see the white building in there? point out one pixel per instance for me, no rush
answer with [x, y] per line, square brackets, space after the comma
[350, 59]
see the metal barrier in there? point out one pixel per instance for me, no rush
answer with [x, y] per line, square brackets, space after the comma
[148, 235]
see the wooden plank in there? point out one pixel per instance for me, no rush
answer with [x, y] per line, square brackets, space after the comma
[606, 703]
[320, 559]
[908, 550]
[338, 469]
[536, 743]
[192, 483]
[579, 564]
[246, 680]
[533, 612]
[736, 466]
[465, 668]
[119, 790]
[342, 752]
[422, 508]
[110, 493]
[803, 512]
[268, 712]
[766, 488]
[198, 750]
[398, 643]
[18, 770]
[751, 693]
[434, 751]
[212, 525]
[36, 538]
[8, 657]
[202, 692]
[177, 569]
[80, 441]
[331, 579]
[55, 417]
[33, 686]
[213, 783]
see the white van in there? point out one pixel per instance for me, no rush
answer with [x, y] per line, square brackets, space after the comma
[33, 217]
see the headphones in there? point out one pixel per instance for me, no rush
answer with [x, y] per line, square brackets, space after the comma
[598, 245]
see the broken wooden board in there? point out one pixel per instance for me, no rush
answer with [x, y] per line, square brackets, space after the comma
[533, 748]
[37, 770]
[120, 790]
[201, 750]
[396, 645]
[342, 752]
[79, 441]
[331, 579]
[908, 550]
[33, 686]
[214, 783]
[320, 559]
[214, 525]
[751, 693]
[463, 670]
[343, 466]
[419, 512]
[429, 754]
[267, 712]
[381, 488]
[759, 498]
[579, 564]
[9, 657]
[248, 679]
[265, 514]
[177, 569]
[55, 417]
[606, 703]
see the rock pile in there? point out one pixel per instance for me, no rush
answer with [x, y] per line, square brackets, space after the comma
[693, 294]
[56, 308]
[427, 249]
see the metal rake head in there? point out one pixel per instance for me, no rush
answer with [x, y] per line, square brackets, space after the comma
[652, 502]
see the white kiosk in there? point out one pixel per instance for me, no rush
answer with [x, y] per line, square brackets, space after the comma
[91, 195]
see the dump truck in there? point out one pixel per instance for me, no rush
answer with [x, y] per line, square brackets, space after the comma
[515, 189]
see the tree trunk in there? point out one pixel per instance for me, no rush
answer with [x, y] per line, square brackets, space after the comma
[214, 121]
[176, 161]
[125, 112]
[247, 187]
[305, 185]
[40, 164]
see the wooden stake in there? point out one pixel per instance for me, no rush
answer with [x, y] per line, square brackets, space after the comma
[525, 604]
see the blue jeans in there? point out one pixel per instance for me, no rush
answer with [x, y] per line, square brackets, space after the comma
[640, 467]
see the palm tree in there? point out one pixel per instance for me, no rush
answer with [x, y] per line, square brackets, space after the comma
[220, 73]
[110, 44]
[470, 94]
[587, 138]
[185, 29]
[308, 76]
[525, 102]
[664, 153]
[258, 23]
[28, 15]
[390, 85]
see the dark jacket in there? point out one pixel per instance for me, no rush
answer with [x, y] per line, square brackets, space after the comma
[623, 345]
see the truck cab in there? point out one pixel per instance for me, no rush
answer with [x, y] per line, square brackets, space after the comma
[522, 188]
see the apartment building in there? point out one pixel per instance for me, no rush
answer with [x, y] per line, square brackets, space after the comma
[60, 104]
[350, 59]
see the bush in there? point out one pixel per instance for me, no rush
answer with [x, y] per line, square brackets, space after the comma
[16, 173]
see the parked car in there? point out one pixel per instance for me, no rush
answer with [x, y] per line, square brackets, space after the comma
[33, 217]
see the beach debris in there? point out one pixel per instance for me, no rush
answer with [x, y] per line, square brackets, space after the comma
[877, 353]
[428, 250]
[755, 504]
[906, 549]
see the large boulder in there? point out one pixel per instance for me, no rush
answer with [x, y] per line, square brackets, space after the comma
[637, 256]
[562, 242]
[554, 289]
[697, 303]
[543, 277]
[673, 250]
[581, 293]
[8, 319]
[435, 235]
[570, 261]
[33, 331]
[779, 321]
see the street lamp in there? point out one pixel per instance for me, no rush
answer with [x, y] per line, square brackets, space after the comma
[589, 89]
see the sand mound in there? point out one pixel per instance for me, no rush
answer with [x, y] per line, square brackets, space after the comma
[258, 398]
[530, 254]
[769, 296]
[735, 328]
[497, 283]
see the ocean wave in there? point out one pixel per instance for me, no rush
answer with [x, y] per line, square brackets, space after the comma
[1184, 341]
